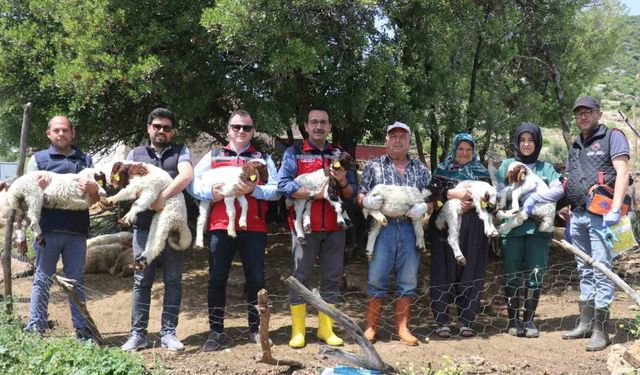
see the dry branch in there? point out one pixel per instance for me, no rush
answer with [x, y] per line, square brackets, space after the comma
[67, 286]
[265, 316]
[372, 359]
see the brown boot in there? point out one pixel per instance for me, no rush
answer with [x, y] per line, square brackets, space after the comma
[403, 313]
[374, 309]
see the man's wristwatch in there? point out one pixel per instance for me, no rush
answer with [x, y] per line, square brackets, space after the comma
[312, 195]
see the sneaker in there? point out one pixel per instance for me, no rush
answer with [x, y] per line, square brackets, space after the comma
[135, 341]
[86, 334]
[171, 342]
[214, 342]
[255, 337]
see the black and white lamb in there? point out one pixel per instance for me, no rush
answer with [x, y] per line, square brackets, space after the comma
[27, 197]
[484, 197]
[521, 181]
[144, 182]
[396, 202]
[313, 181]
[253, 170]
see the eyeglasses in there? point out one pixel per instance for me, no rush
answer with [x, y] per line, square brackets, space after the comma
[165, 128]
[586, 113]
[245, 128]
[316, 122]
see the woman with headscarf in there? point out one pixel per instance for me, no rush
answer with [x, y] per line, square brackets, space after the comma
[448, 279]
[525, 249]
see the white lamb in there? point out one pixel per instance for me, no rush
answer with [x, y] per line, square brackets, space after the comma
[253, 170]
[396, 202]
[522, 181]
[313, 181]
[144, 182]
[28, 198]
[484, 196]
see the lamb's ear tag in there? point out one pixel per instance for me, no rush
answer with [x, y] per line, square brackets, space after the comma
[440, 204]
[483, 204]
[252, 178]
[336, 165]
[116, 177]
[100, 183]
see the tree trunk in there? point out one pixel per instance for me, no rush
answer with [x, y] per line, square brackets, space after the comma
[555, 75]
[471, 116]
[419, 147]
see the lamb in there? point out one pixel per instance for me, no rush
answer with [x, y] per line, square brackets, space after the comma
[313, 181]
[522, 181]
[484, 197]
[144, 182]
[253, 170]
[28, 198]
[396, 202]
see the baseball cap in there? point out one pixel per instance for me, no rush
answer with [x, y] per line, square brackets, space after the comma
[588, 102]
[398, 125]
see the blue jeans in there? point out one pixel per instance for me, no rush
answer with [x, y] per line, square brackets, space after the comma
[172, 265]
[395, 249]
[73, 249]
[593, 284]
[222, 248]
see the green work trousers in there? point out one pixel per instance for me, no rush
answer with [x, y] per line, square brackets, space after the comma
[526, 256]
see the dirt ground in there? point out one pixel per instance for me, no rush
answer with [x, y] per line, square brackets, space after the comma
[491, 351]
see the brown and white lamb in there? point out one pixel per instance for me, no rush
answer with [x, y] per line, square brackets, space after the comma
[143, 183]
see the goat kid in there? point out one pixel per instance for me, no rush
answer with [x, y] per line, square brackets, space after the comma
[522, 181]
[484, 197]
[144, 182]
[396, 202]
[227, 177]
[63, 192]
[314, 181]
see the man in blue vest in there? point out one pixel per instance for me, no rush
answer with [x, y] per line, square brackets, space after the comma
[599, 155]
[65, 230]
[176, 160]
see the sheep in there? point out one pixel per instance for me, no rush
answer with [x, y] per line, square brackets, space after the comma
[103, 251]
[62, 192]
[253, 170]
[521, 181]
[313, 181]
[484, 197]
[396, 202]
[144, 182]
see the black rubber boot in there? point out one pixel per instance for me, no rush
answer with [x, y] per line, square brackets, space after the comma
[599, 338]
[515, 327]
[530, 306]
[585, 325]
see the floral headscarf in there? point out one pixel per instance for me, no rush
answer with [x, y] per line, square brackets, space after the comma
[473, 170]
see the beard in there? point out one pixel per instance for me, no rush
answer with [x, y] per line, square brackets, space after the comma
[160, 140]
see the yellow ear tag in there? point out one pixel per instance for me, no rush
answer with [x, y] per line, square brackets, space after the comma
[116, 177]
[100, 183]
[252, 177]
[483, 204]
[440, 204]
[336, 165]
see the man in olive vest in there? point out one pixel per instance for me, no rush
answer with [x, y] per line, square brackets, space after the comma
[599, 155]
[176, 160]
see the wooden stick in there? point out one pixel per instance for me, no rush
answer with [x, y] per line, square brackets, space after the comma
[372, 359]
[67, 286]
[600, 267]
[265, 316]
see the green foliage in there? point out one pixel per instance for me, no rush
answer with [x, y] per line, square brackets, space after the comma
[449, 368]
[26, 353]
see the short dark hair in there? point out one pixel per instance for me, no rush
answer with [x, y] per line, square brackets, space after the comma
[241, 113]
[162, 113]
[318, 109]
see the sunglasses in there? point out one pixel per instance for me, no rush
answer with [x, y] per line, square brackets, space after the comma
[245, 128]
[165, 128]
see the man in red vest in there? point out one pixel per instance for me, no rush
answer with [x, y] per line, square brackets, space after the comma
[327, 238]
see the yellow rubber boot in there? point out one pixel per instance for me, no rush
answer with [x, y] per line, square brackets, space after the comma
[298, 314]
[325, 330]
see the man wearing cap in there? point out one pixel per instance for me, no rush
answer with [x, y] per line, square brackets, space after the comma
[327, 238]
[395, 247]
[599, 155]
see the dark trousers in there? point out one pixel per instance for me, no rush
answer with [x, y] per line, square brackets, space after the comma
[222, 248]
[527, 256]
[451, 281]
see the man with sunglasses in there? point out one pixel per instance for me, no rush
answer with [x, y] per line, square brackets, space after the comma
[327, 238]
[250, 241]
[176, 160]
[599, 155]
